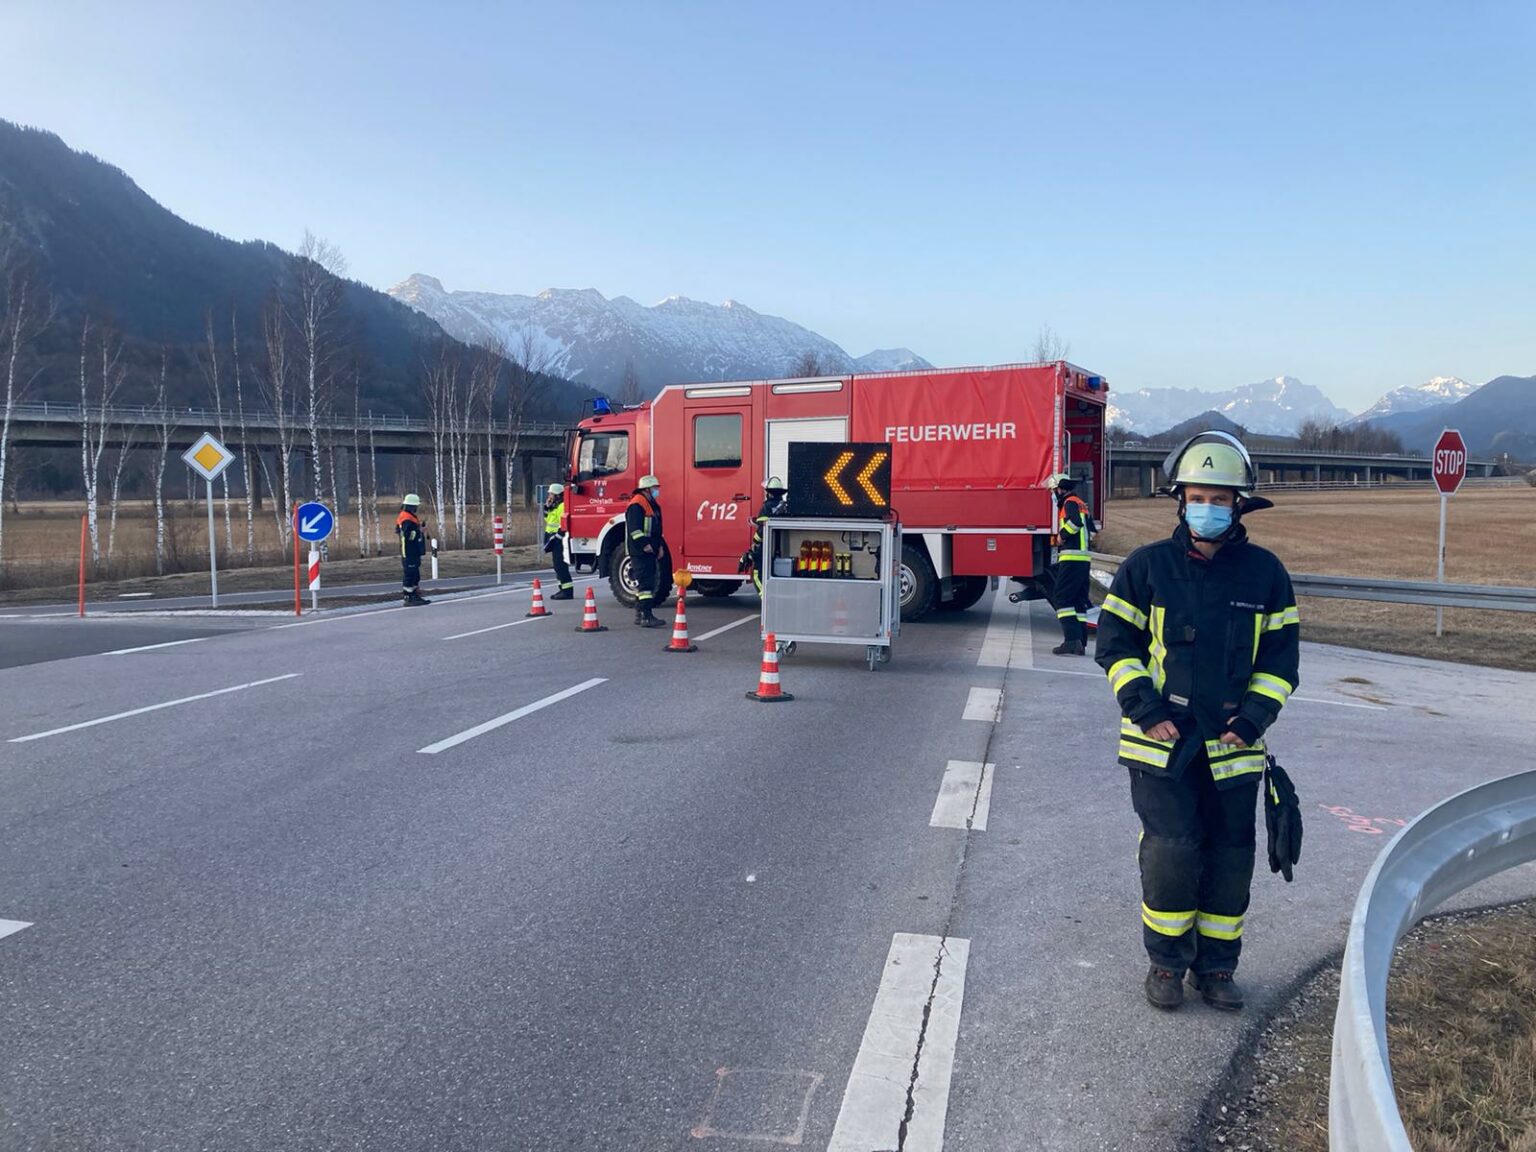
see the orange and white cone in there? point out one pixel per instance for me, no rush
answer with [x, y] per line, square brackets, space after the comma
[589, 615]
[538, 609]
[768, 689]
[680, 628]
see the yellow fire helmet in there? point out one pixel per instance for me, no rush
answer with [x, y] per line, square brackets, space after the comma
[1217, 459]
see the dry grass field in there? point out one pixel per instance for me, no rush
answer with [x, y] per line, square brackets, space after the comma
[42, 545]
[1490, 539]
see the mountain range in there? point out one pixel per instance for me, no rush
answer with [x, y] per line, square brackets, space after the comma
[584, 336]
[1272, 407]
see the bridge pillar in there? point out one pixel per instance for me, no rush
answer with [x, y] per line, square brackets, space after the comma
[1144, 477]
[1367, 475]
[527, 480]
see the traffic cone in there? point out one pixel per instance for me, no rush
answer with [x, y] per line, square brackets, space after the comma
[589, 614]
[680, 628]
[538, 609]
[768, 690]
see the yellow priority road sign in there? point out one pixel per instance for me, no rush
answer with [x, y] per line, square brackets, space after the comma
[208, 457]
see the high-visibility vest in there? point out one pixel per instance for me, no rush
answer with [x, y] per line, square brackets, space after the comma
[1073, 539]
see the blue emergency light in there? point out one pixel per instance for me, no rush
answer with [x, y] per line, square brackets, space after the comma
[601, 407]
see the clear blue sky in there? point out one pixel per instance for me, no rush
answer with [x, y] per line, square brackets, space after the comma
[1200, 194]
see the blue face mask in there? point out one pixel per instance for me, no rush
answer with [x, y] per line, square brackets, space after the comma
[1207, 521]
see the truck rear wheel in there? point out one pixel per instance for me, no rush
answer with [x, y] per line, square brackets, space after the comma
[715, 588]
[621, 580]
[968, 590]
[919, 583]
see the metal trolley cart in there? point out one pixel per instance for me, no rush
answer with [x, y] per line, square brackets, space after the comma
[833, 581]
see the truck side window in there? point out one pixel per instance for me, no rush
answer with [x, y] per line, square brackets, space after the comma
[603, 454]
[717, 441]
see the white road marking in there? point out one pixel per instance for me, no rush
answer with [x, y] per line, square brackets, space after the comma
[152, 647]
[967, 787]
[725, 628]
[518, 714]
[8, 927]
[876, 1098]
[1009, 642]
[151, 708]
[497, 627]
[984, 704]
[1341, 703]
[474, 597]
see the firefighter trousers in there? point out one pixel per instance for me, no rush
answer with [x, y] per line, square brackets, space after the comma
[1196, 857]
[1070, 599]
[562, 569]
[410, 574]
[643, 566]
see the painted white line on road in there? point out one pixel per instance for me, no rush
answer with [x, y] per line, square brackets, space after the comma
[497, 627]
[1009, 642]
[153, 647]
[984, 704]
[8, 927]
[471, 596]
[965, 796]
[492, 725]
[151, 708]
[725, 628]
[1340, 703]
[875, 1101]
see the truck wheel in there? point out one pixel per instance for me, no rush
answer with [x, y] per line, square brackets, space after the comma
[968, 590]
[715, 588]
[919, 583]
[621, 580]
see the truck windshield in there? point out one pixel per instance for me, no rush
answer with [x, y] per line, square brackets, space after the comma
[602, 454]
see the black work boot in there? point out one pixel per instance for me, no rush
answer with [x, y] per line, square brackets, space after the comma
[564, 594]
[1069, 648]
[650, 620]
[1218, 989]
[1165, 989]
[417, 598]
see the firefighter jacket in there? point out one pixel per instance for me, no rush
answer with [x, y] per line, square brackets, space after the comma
[642, 524]
[413, 542]
[1074, 533]
[552, 521]
[772, 506]
[1211, 645]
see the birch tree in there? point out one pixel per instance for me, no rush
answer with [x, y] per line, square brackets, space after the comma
[117, 487]
[101, 368]
[163, 425]
[25, 311]
[529, 360]
[277, 393]
[247, 470]
[357, 462]
[315, 310]
[209, 362]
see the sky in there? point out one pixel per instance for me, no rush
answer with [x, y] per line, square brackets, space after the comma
[1191, 194]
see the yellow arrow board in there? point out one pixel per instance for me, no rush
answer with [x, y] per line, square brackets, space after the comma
[851, 480]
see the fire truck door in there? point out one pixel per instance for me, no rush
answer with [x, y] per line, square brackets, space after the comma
[718, 490]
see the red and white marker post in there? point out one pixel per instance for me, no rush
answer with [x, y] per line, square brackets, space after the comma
[314, 579]
[497, 540]
[1450, 469]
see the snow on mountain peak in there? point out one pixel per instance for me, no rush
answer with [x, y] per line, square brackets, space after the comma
[1275, 407]
[1432, 393]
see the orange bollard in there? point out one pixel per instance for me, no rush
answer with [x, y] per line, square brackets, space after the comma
[680, 627]
[589, 615]
[538, 609]
[768, 690]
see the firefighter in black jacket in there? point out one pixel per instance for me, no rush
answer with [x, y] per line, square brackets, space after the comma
[1199, 638]
[642, 537]
[773, 505]
[413, 546]
[1069, 593]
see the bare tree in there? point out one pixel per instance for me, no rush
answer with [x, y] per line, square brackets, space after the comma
[1049, 346]
[25, 311]
[248, 472]
[488, 369]
[629, 387]
[357, 461]
[117, 486]
[373, 490]
[277, 392]
[314, 311]
[93, 425]
[530, 359]
[208, 361]
[808, 364]
[163, 424]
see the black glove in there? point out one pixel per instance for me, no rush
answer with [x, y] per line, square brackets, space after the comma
[1282, 819]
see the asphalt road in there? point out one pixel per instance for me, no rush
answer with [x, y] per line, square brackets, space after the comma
[449, 878]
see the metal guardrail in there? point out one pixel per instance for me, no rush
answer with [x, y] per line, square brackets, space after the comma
[1471, 836]
[127, 414]
[1499, 597]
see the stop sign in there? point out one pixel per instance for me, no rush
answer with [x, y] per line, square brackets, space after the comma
[1450, 460]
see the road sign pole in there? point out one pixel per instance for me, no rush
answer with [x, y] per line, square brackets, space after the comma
[298, 600]
[1440, 566]
[213, 550]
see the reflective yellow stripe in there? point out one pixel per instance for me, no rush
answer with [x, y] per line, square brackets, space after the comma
[1122, 672]
[637, 535]
[1278, 620]
[1168, 923]
[1228, 760]
[1065, 613]
[1277, 688]
[1219, 927]
[1074, 554]
[1127, 611]
[1136, 745]
[1157, 649]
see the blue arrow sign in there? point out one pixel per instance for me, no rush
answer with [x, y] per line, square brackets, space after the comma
[315, 521]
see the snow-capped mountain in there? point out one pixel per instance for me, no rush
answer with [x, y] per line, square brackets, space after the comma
[584, 336]
[1274, 407]
[1418, 398]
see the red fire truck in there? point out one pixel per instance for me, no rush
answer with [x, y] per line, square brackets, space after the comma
[971, 449]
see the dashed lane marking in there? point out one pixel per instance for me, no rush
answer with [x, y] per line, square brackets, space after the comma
[965, 796]
[517, 714]
[1009, 641]
[984, 704]
[10, 927]
[725, 628]
[497, 627]
[908, 1049]
[151, 708]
